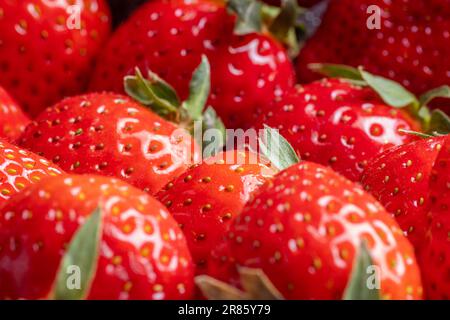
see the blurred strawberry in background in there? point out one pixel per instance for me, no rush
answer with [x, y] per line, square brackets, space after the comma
[12, 119]
[47, 48]
[409, 45]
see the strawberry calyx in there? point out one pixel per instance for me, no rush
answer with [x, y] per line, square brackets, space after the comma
[256, 285]
[254, 16]
[161, 98]
[83, 253]
[276, 149]
[433, 122]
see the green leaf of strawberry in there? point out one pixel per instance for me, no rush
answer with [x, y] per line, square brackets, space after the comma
[163, 100]
[394, 94]
[277, 149]
[337, 71]
[83, 252]
[199, 89]
[390, 91]
[249, 16]
[357, 287]
[282, 26]
[440, 92]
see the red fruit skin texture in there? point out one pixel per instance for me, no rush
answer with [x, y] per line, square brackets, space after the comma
[20, 168]
[400, 180]
[111, 135]
[408, 48]
[335, 123]
[305, 228]
[12, 119]
[169, 37]
[44, 56]
[205, 200]
[143, 253]
[435, 263]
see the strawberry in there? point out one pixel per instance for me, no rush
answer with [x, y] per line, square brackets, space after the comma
[142, 252]
[20, 168]
[12, 119]
[206, 198]
[435, 256]
[304, 229]
[348, 118]
[400, 179]
[47, 49]
[168, 37]
[407, 46]
[336, 123]
[110, 134]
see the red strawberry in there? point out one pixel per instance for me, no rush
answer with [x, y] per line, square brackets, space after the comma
[205, 199]
[304, 230]
[400, 179]
[435, 263]
[143, 254]
[111, 135]
[44, 54]
[12, 119]
[408, 46]
[337, 123]
[20, 168]
[168, 37]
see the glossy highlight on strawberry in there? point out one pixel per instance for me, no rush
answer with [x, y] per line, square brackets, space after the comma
[169, 37]
[20, 168]
[206, 198]
[304, 229]
[143, 253]
[111, 135]
[336, 123]
[400, 179]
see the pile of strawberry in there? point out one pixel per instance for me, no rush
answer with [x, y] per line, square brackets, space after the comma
[107, 192]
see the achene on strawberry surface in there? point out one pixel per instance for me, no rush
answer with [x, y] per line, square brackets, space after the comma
[142, 252]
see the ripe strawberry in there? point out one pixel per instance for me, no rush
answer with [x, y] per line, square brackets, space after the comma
[337, 123]
[304, 230]
[435, 257]
[400, 179]
[12, 119]
[168, 37]
[407, 46]
[111, 135]
[20, 168]
[205, 199]
[143, 253]
[47, 49]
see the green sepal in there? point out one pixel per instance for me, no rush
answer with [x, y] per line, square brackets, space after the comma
[358, 286]
[212, 121]
[199, 89]
[284, 26]
[391, 92]
[277, 149]
[440, 92]
[439, 123]
[83, 253]
[337, 71]
[154, 92]
[249, 16]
